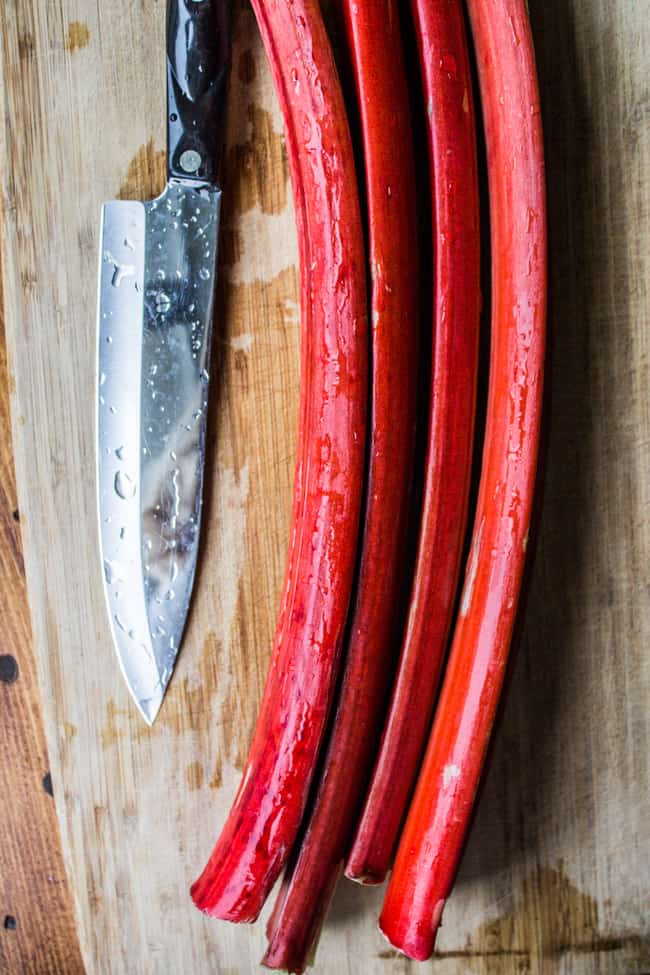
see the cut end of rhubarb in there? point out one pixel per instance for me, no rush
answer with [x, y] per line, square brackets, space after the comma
[268, 962]
[203, 897]
[366, 879]
[415, 939]
[277, 961]
[369, 859]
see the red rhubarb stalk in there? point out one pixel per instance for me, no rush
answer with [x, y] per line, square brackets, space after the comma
[452, 139]
[264, 820]
[438, 820]
[375, 43]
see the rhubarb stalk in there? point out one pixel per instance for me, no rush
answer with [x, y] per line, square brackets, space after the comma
[264, 820]
[452, 142]
[438, 820]
[375, 45]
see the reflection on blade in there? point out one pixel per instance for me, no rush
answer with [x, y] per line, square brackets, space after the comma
[156, 300]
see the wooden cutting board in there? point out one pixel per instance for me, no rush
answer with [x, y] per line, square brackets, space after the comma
[555, 878]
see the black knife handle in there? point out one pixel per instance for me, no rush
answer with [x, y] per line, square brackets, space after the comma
[198, 65]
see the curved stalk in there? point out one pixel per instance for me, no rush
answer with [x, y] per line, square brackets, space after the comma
[375, 44]
[264, 820]
[438, 821]
[454, 186]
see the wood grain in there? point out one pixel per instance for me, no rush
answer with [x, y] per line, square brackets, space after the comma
[555, 877]
[34, 895]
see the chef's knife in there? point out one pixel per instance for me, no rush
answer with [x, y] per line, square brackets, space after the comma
[156, 296]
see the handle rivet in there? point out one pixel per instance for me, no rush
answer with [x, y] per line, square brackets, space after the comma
[190, 161]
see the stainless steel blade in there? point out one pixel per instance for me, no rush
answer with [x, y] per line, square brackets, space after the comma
[156, 292]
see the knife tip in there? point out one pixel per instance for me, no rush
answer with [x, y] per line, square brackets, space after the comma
[149, 709]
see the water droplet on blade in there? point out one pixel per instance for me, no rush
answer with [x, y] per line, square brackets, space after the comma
[124, 486]
[113, 572]
[163, 302]
[120, 270]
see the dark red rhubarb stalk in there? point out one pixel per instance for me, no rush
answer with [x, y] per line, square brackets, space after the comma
[437, 824]
[452, 136]
[375, 43]
[269, 805]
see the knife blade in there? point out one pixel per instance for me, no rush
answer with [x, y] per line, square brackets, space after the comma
[157, 271]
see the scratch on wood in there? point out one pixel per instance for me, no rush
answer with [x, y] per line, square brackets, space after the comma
[237, 715]
[111, 733]
[146, 175]
[70, 730]
[188, 704]
[257, 171]
[25, 45]
[78, 36]
[217, 774]
[194, 775]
